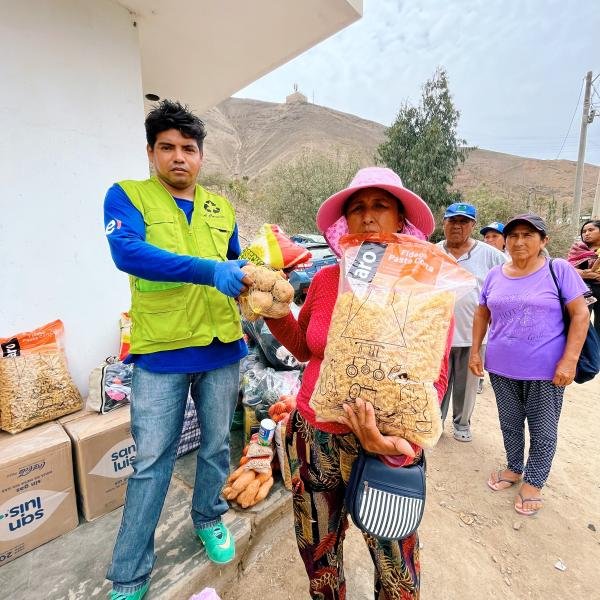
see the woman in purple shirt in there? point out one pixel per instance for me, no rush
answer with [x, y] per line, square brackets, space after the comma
[529, 357]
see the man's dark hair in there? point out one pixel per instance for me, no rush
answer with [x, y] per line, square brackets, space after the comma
[174, 115]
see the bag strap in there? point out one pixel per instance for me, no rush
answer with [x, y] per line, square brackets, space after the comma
[560, 299]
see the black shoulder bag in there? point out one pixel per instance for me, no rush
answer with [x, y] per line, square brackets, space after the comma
[588, 364]
[383, 501]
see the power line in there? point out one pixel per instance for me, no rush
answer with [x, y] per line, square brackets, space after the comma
[571, 123]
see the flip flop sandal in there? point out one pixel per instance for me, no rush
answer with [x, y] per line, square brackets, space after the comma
[525, 512]
[494, 485]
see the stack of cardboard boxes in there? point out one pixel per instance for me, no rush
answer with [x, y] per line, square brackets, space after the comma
[37, 488]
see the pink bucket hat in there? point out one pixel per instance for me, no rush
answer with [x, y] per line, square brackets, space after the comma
[415, 209]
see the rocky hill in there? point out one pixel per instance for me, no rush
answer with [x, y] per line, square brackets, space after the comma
[247, 138]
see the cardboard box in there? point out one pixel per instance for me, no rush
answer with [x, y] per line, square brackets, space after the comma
[84, 412]
[37, 494]
[102, 449]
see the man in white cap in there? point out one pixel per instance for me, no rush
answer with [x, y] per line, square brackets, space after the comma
[478, 258]
[492, 235]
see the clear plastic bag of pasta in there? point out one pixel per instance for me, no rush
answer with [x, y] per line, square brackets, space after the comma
[35, 383]
[388, 333]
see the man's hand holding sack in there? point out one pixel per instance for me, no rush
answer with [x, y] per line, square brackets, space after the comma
[269, 293]
[230, 278]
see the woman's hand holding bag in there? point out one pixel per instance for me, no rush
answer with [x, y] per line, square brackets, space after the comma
[361, 420]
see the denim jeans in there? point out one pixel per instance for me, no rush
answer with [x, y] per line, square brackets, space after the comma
[157, 409]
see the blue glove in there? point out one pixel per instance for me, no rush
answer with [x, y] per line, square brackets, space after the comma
[228, 277]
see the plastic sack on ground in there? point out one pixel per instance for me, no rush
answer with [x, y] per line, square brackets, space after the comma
[278, 356]
[388, 333]
[272, 247]
[206, 594]
[254, 359]
[35, 383]
[264, 385]
[109, 386]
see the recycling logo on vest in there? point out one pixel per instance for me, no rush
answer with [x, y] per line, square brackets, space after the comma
[211, 207]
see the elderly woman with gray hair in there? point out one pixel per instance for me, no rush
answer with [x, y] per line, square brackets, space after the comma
[529, 356]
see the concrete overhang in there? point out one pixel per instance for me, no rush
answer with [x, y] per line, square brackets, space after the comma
[203, 51]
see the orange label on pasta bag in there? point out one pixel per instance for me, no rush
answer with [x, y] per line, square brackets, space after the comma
[388, 260]
[42, 339]
[420, 261]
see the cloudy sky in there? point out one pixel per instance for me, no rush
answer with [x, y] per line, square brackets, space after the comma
[516, 69]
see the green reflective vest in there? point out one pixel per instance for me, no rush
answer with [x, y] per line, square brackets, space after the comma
[168, 316]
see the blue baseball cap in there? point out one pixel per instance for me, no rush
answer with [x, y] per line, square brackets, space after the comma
[461, 209]
[493, 226]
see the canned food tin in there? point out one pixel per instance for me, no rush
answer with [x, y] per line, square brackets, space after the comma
[266, 432]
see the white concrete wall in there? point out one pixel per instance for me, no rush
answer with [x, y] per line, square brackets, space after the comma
[71, 123]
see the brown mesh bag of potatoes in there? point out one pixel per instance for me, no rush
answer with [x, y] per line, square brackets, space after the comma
[35, 384]
[388, 333]
[269, 295]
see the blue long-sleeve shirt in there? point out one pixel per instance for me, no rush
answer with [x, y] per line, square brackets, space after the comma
[126, 235]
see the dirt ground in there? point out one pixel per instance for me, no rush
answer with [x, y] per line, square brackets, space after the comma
[473, 543]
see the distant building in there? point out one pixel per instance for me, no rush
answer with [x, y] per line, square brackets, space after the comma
[296, 97]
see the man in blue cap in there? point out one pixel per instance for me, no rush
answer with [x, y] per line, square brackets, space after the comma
[460, 219]
[492, 235]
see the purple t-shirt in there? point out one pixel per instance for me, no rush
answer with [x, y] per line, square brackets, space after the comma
[527, 338]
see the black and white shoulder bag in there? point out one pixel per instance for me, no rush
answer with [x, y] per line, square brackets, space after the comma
[383, 501]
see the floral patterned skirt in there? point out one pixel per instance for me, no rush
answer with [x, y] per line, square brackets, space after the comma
[320, 465]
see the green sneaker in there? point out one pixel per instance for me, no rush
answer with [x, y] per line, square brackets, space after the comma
[137, 595]
[219, 543]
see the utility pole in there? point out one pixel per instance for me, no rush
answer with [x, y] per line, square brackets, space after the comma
[596, 207]
[581, 155]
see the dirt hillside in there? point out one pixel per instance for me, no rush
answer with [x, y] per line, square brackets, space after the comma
[247, 138]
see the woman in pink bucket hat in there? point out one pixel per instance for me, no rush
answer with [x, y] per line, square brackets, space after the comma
[320, 453]
[414, 209]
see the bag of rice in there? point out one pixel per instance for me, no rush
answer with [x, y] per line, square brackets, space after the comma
[388, 333]
[35, 384]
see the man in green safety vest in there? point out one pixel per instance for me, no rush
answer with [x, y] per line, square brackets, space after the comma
[179, 245]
